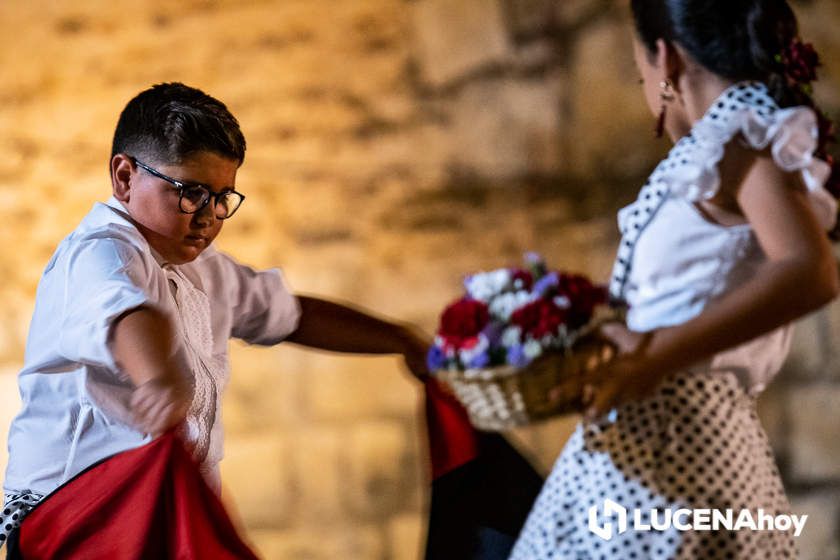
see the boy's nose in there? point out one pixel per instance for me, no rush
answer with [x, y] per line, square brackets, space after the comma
[207, 215]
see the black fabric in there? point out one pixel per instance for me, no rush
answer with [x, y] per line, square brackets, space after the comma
[478, 509]
[12, 549]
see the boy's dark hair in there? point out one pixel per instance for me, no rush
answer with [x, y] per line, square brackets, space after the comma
[168, 122]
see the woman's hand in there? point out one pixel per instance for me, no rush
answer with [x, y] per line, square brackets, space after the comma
[630, 376]
[623, 339]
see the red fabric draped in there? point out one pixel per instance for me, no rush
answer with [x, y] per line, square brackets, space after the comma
[149, 502]
[452, 439]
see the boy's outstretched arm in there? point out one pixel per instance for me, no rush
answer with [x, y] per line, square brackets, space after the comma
[338, 328]
[142, 347]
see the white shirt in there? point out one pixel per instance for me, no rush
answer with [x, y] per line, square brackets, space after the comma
[673, 261]
[684, 262]
[75, 400]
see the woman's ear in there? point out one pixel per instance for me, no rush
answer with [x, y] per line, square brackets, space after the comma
[670, 58]
[121, 170]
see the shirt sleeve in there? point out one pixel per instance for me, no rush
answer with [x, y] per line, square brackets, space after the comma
[264, 311]
[103, 278]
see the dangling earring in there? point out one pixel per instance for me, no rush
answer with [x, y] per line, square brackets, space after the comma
[666, 95]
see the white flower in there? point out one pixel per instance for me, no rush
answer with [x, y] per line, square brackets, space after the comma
[511, 336]
[484, 285]
[562, 302]
[503, 305]
[532, 349]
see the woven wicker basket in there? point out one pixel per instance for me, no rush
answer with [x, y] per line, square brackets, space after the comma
[505, 397]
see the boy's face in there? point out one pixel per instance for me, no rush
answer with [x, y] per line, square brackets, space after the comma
[153, 203]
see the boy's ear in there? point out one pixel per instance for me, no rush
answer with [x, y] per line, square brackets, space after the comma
[121, 170]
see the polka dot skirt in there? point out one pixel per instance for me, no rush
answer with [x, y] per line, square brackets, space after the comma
[697, 443]
[15, 508]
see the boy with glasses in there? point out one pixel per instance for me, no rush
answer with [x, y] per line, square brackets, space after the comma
[135, 308]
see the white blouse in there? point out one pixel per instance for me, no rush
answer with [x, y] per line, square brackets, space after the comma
[75, 399]
[673, 261]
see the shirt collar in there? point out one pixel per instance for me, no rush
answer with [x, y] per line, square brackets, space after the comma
[118, 207]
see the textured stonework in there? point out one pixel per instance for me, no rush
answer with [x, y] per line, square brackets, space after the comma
[393, 146]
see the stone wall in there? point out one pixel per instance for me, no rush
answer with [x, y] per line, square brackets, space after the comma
[393, 146]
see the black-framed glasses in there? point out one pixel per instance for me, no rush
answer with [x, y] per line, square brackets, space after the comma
[194, 196]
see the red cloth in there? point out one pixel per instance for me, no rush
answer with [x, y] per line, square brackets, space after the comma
[149, 502]
[452, 439]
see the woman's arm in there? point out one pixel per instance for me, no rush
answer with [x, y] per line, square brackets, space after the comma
[338, 328]
[799, 276]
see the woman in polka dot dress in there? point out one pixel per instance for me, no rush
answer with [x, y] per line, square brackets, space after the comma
[724, 247]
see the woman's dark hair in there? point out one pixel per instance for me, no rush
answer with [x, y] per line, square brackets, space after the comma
[736, 39]
[743, 40]
[168, 122]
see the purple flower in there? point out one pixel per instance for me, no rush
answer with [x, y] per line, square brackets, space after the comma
[480, 360]
[533, 259]
[493, 333]
[435, 359]
[547, 283]
[516, 356]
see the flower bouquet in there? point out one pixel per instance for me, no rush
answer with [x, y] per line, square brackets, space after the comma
[514, 349]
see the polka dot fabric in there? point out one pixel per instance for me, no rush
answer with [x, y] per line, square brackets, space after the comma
[697, 443]
[15, 508]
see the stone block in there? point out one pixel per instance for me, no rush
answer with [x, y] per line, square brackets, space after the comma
[456, 37]
[814, 18]
[356, 387]
[265, 390]
[820, 539]
[512, 127]
[813, 345]
[575, 12]
[321, 542]
[9, 407]
[814, 447]
[542, 443]
[527, 18]
[610, 128]
[407, 536]
[256, 475]
[773, 412]
[380, 476]
[333, 270]
[319, 478]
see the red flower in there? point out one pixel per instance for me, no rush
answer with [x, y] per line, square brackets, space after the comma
[462, 321]
[800, 61]
[583, 296]
[526, 277]
[539, 318]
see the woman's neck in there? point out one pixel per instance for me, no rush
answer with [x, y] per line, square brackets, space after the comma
[700, 89]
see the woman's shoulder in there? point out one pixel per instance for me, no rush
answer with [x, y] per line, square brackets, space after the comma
[745, 134]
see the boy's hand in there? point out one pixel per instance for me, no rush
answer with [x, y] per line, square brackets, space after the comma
[158, 405]
[416, 346]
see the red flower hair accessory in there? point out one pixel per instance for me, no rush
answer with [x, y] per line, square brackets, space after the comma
[800, 61]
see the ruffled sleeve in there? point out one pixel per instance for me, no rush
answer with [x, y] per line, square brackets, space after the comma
[792, 135]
